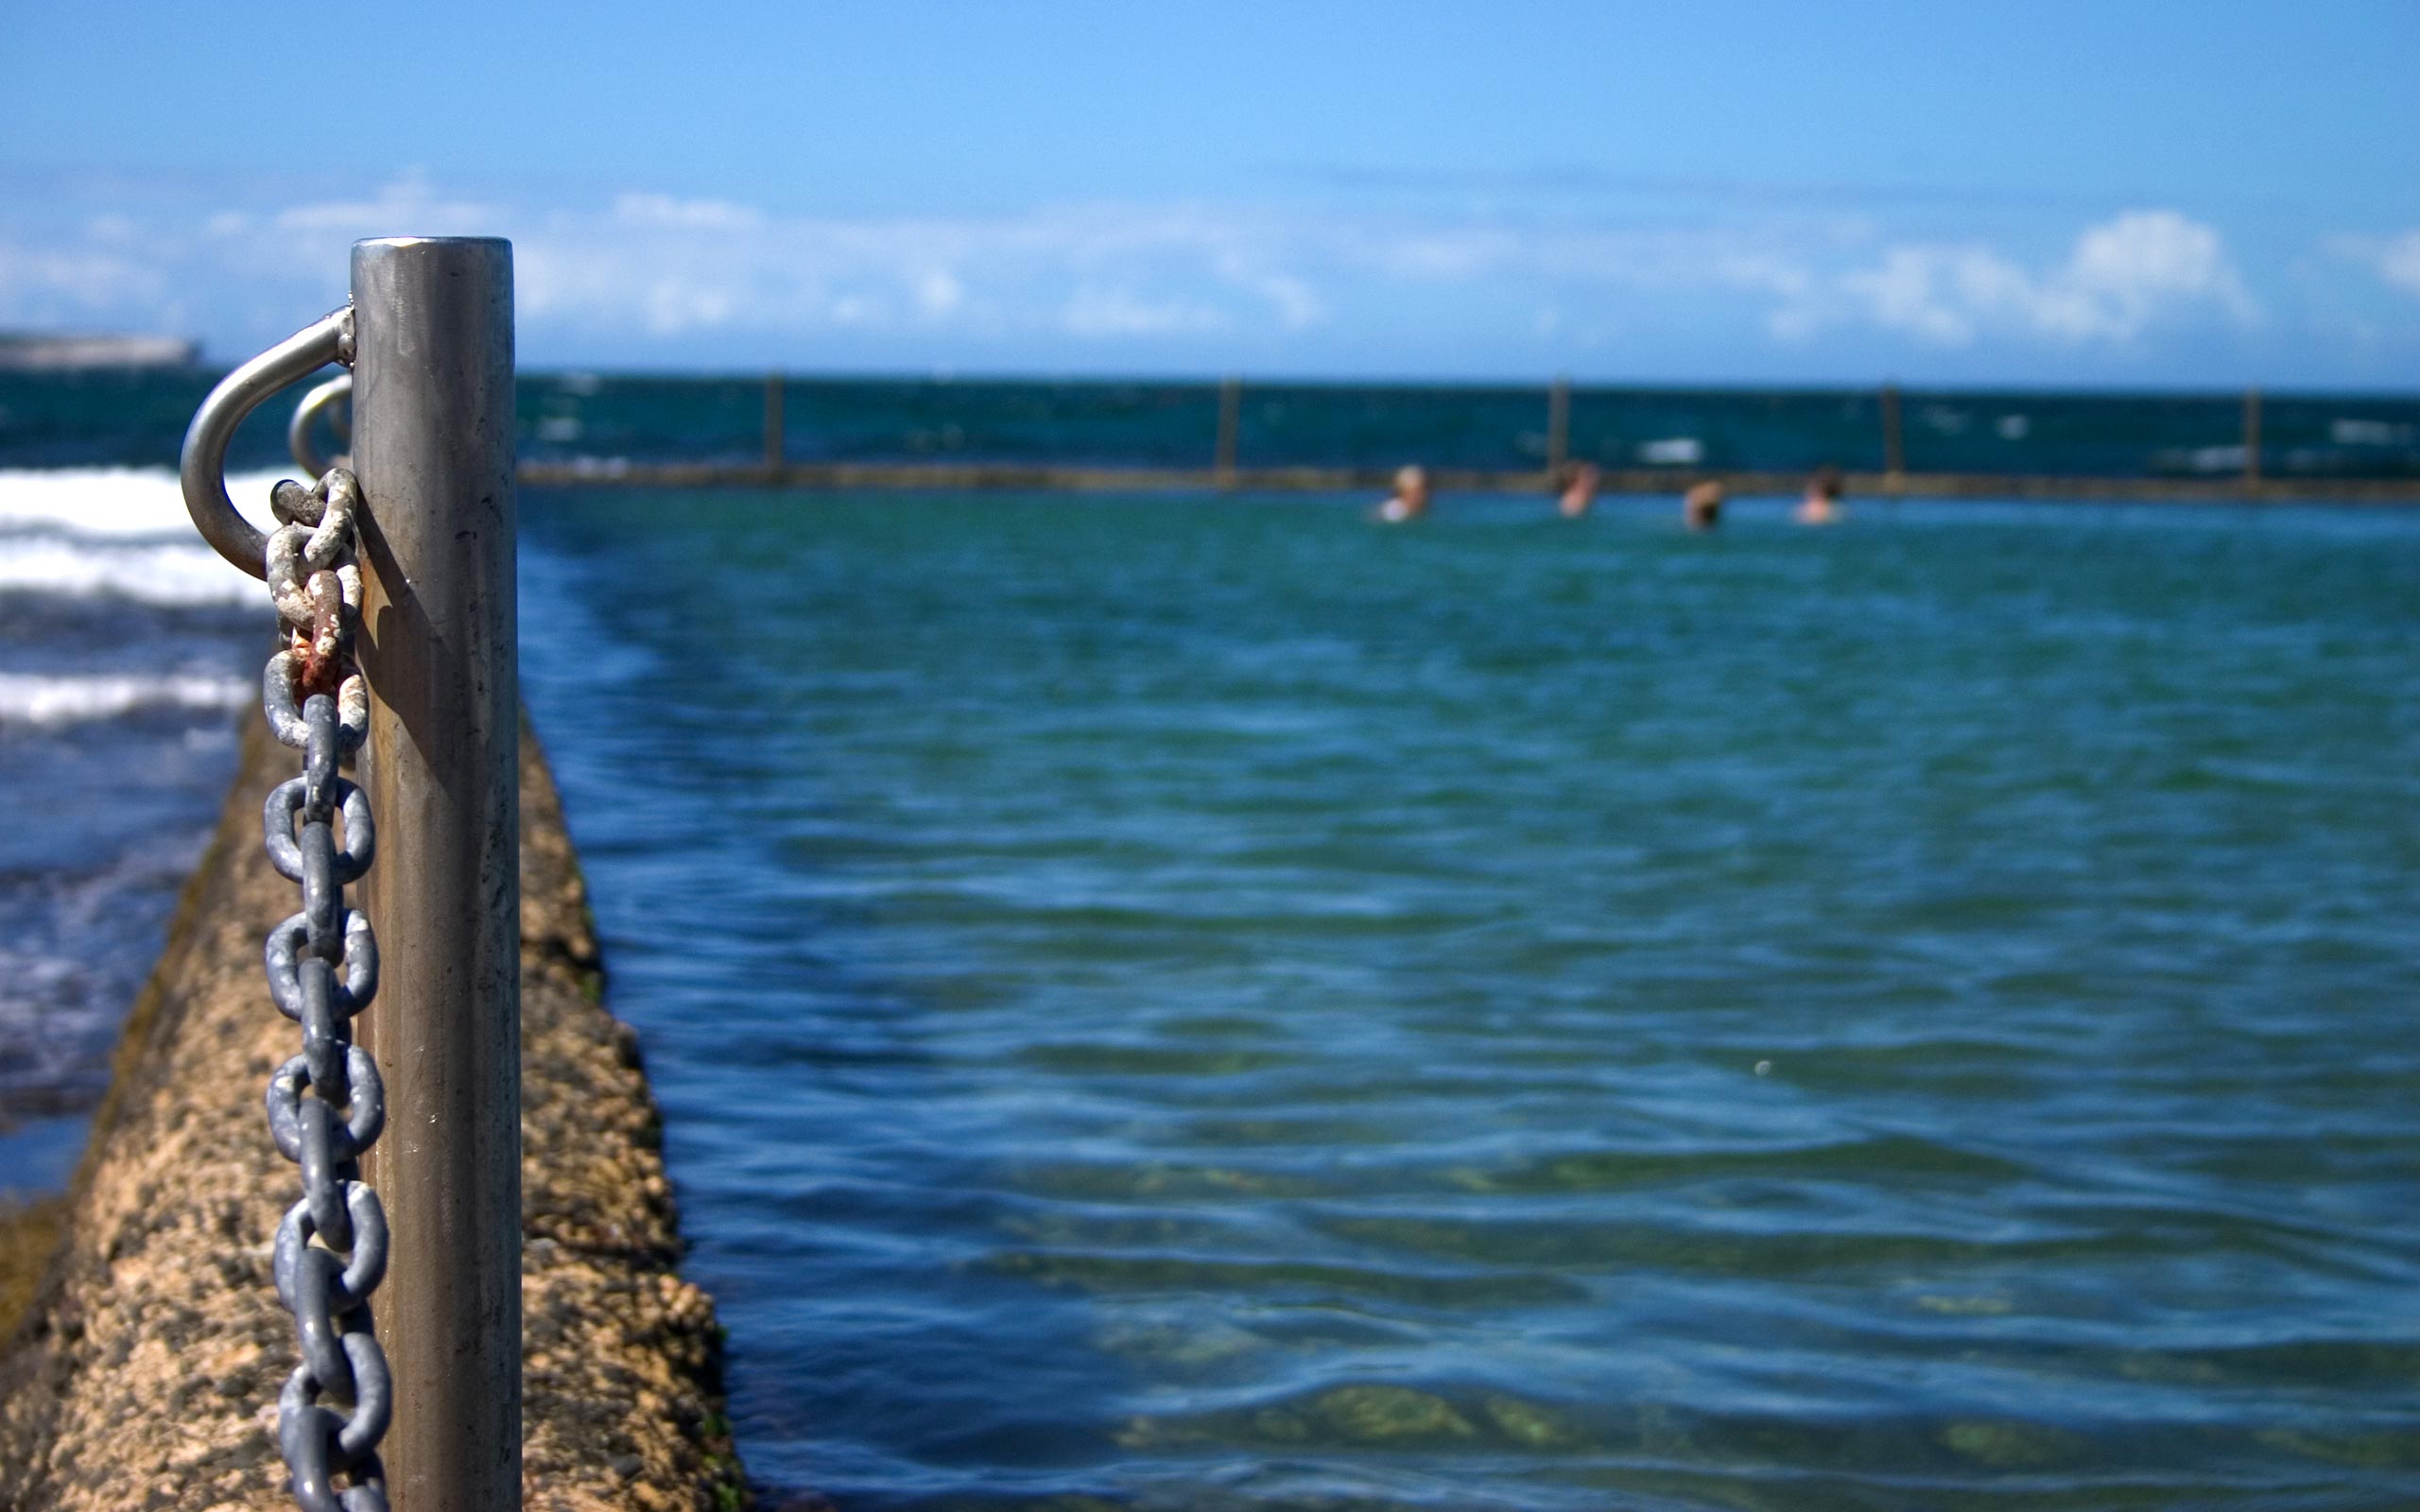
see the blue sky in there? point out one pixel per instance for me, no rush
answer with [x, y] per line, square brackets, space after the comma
[2109, 195]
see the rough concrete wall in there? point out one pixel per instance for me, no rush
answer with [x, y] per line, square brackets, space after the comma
[146, 1373]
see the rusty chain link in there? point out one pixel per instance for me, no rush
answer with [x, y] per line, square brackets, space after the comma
[327, 1105]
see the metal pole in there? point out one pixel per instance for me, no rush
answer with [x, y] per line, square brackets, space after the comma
[1230, 405]
[433, 447]
[1557, 428]
[775, 453]
[2252, 438]
[1895, 446]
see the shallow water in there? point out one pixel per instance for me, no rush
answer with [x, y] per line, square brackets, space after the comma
[1205, 1004]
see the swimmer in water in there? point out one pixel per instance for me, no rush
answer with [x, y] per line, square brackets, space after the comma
[1821, 505]
[1409, 501]
[1701, 507]
[1579, 491]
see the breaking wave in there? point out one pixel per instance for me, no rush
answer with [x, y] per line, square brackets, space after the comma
[75, 699]
[122, 532]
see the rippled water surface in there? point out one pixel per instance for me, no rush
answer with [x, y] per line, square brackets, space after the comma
[123, 645]
[1202, 1004]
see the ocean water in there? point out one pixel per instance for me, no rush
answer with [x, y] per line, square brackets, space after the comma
[1203, 1003]
[113, 418]
[124, 644]
[1209, 1004]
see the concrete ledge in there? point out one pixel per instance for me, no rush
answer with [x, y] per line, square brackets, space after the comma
[1647, 481]
[145, 1372]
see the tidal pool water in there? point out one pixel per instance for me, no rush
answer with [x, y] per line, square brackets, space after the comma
[1206, 1004]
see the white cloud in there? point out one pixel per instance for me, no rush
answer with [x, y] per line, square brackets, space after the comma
[1450, 255]
[641, 266]
[1116, 312]
[1291, 297]
[1726, 258]
[2394, 259]
[2122, 276]
[2399, 264]
[2125, 271]
[676, 307]
[409, 206]
[938, 293]
[41, 286]
[665, 209]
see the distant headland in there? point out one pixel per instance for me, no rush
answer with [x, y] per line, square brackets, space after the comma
[24, 351]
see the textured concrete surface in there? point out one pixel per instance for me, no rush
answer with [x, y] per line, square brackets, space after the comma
[28, 1233]
[145, 1371]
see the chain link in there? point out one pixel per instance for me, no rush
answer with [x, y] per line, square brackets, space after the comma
[327, 1105]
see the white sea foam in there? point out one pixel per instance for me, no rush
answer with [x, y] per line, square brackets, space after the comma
[2213, 458]
[1674, 451]
[117, 501]
[86, 532]
[2368, 432]
[145, 573]
[75, 700]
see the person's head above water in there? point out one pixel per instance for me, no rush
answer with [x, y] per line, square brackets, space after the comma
[1701, 507]
[1579, 490]
[1410, 498]
[1821, 505]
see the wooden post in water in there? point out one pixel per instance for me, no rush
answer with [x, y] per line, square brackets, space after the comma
[1230, 407]
[1895, 446]
[775, 453]
[1558, 429]
[2251, 439]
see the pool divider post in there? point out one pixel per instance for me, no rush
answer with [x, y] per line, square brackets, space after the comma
[775, 451]
[433, 446]
[1558, 429]
[2251, 439]
[1231, 404]
[1895, 446]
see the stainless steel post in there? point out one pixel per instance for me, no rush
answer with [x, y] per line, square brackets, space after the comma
[433, 447]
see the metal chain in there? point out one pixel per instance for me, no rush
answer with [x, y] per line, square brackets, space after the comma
[327, 1105]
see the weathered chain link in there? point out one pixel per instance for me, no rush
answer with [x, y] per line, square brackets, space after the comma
[327, 1105]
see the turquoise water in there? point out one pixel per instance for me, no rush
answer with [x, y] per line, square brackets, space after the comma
[1206, 1004]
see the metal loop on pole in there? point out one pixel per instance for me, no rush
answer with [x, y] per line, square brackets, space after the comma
[306, 414]
[202, 468]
